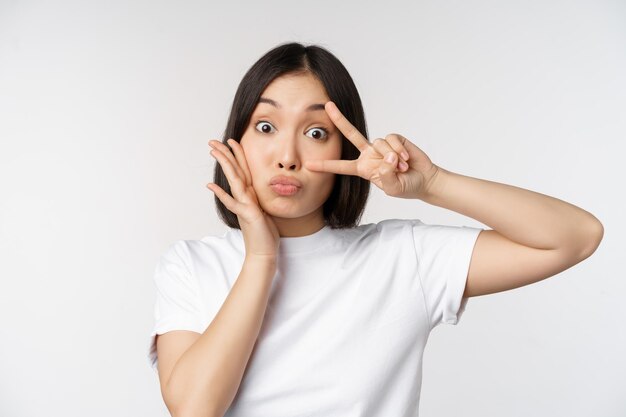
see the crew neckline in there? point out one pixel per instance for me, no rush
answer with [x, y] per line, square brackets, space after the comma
[308, 243]
[300, 244]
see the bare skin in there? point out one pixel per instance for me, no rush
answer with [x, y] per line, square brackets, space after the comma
[534, 236]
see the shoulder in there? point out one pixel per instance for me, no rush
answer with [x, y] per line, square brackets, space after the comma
[190, 251]
[175, 251]
[393, 227]
[227, 243]
[392, 224]
[384, 232]
[427, 235]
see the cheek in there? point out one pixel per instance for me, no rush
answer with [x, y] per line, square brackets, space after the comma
[325, 178]
[324, 186]
[333, 152]
[253, 156]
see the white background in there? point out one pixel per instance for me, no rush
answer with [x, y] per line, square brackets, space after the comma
[106, 109]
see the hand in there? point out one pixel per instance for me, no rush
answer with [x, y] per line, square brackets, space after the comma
[410, 177]
[261, 236]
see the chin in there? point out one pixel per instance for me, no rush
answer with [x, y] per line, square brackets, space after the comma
[287, 210]
[283, 213]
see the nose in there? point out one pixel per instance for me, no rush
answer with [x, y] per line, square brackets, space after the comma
[287, 153]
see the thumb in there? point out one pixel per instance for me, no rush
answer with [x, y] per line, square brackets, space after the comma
[388, 177]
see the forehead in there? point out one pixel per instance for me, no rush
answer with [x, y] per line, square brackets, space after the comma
[295, 91]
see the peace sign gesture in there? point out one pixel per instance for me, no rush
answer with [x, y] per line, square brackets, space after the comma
[412, 177]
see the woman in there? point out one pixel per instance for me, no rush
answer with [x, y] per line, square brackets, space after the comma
[299, 311]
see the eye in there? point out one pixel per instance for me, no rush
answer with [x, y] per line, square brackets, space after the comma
[320, 136]
[263, 130]
[266, 127]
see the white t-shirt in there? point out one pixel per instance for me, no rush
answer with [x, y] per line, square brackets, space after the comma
[349, 313]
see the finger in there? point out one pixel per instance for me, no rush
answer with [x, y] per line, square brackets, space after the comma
[414, 152]
[337, 166]
[230, 203]
[388, 176]
[397, 142]
[349, 131]
[382, 147]
[228, 153]
[234, 180]
[241, 159]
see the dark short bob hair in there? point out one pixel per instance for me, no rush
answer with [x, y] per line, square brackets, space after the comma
[346, 202]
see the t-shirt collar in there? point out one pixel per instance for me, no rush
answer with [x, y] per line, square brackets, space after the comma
[301, 244]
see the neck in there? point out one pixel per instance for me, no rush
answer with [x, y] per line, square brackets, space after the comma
[301, 226]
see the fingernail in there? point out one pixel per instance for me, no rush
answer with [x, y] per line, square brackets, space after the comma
[391, 157]
[405, 156]
[403, 165]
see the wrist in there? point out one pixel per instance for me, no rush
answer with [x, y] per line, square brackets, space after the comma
[434, 184]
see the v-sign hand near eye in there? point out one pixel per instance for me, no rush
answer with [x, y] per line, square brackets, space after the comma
[401, 177]
[534, 236]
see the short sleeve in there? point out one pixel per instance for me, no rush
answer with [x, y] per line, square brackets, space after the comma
[443, 257]
[177, 305]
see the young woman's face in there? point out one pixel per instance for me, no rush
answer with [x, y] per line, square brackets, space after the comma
[279, 138]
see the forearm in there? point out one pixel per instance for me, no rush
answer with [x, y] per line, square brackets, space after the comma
[526, 217]
[206, 378]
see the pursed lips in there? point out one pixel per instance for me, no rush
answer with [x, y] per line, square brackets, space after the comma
[284, 180]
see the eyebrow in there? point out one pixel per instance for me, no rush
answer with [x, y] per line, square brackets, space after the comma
[312, 107]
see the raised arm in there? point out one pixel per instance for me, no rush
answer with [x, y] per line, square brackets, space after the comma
[535, 236]
[203, 381]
